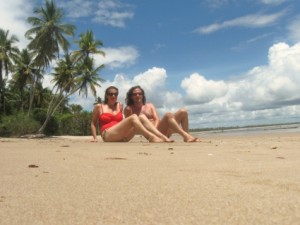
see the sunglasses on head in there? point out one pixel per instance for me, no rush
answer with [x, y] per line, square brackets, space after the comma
[136, 94]
[112, 94]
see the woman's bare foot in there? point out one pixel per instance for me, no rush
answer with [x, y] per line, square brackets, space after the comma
[192, 139]
[155, 139]
[166, 139]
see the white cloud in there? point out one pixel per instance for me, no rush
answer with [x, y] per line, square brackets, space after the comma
[77, 8]
[294, 29]
[216, 3]
[221, 3]
[272, 2]
[107, 12]
[253, 20]
[200, 90]
[13, 15]
[248, 42]
[268, 91]
[152, 78]
[47, 81]
[118, 57]
[113, 12]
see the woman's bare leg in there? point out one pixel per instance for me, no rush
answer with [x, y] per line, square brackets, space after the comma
[149, 126]
[168, 122]
[182, 118]
[126, 129]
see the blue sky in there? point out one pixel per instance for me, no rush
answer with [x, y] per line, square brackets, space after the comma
[229, 62]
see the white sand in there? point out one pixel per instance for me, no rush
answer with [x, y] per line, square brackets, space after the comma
[252, 179]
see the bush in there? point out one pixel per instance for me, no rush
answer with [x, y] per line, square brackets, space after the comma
[52, 127]
[17, 125]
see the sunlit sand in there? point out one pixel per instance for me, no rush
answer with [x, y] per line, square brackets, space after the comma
[224, 179]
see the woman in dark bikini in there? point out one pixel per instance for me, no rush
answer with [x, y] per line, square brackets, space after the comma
[170, 123]
[114, 128]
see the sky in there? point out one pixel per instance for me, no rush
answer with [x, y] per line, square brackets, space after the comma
[228, 62]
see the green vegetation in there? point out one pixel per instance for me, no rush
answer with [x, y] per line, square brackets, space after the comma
[27, 107]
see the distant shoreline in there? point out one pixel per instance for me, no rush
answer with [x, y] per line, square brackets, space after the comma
[267, 128]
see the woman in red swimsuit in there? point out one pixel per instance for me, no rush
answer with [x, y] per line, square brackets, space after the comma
[114, 128]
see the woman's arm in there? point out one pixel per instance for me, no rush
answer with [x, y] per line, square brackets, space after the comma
[127, 111]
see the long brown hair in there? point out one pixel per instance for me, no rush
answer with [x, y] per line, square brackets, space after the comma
[129, 94]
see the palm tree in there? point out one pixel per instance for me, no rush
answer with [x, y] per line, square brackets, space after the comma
[64, 83]
[47, 37]
[23, 74]
[69, 79]
[8, 52]
[12, 99]
[87, 46]
[89, 78]
[48, 32]
[76, 73]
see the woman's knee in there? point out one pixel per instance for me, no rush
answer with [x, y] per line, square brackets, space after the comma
[182, 112]
[134, 118]
[142, 117]
[169, 115]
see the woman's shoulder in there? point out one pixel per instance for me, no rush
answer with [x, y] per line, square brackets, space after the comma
[149, 105]
[97, 105]
[97, 109]
[128, 107]
[119, 106]
[127, 110]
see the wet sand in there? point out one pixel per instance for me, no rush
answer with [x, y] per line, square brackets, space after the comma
[225, 179]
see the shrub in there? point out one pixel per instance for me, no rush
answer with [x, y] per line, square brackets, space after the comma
[17, 125]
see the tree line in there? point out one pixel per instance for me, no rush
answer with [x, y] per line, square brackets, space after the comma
[25, 105]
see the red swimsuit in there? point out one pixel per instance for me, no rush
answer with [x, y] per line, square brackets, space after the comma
[108, 120]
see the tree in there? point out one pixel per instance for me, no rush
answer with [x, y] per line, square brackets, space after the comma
[76, 72]
[87, 46]
[8, 52]
[47, 37]
[89, 78]
[68, 79]
[64, 84]
[23, 74]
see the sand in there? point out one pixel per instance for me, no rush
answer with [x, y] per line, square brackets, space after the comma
[225, 179]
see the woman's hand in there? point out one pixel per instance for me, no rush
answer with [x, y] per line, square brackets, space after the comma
[94, 140]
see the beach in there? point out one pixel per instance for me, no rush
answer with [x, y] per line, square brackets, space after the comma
[251, 178]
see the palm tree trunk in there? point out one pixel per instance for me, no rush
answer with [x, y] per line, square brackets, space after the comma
[2, 95]
[31, 96]
[1, 90]
[52, 109]
[32, 89]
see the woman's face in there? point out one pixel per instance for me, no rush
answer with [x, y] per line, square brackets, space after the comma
[112, 94]
[137, 95]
